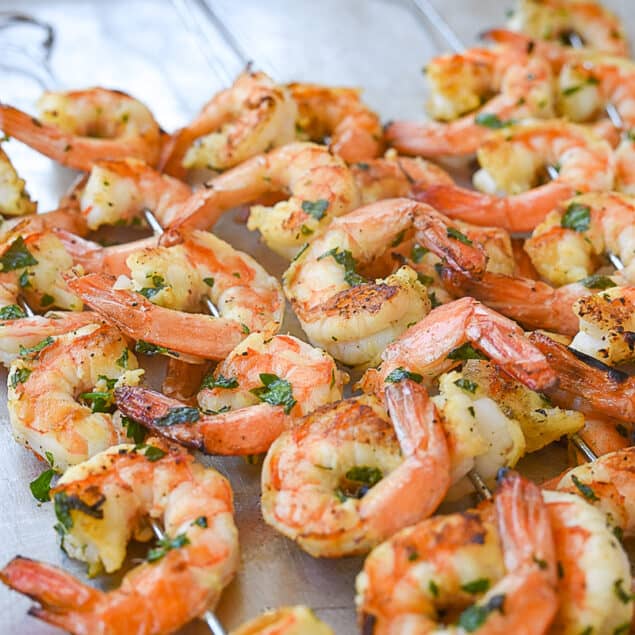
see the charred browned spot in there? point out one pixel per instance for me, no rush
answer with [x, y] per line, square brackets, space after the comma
[368, 298]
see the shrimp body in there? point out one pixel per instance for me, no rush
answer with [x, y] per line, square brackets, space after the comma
[350, 317]
[14, 199]
[625, 166]
[526, 91]
[78, 128]
[288, 620]
[252, 116]
[117, 192]
[554, 20]
[103, 503]
[342, 480]
[355, 131]
[565, 251]
[449, 562]
[60, 393]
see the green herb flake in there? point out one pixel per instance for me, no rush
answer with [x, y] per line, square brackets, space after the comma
[571, 90]
[542, 564]
[434, 302]
[300, 252]
[317, 209]
[152, 453]
[491, 120]
[63, 504]
[209, 282]
[305, 230]
[134, 430]
[201, 521]
[471, 410]
[32, 350]
[466, 351]
[11, 312]
[622, 595]
[158, 284]
[457, 235]
[275, 391]
[46, 300]
[597, 282]
[19, 376]
[122, 360]
[398, 238]
[346, 260]
[418, 252]
[152, 349]
[475, 616]
[167, 544]
[399, 374]
[433, 587]
[413, 555]
[622, 629]
[244, 328]
[218, 382]
[466, 384]
[364, 474]
[180, 414]
[425, 280]
[479, 585]
[23, 280]
[584, 489]
[41, 486]
[577, 217]
[17, 256]
[99, 400]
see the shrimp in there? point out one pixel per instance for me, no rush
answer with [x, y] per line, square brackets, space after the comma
[607, 325]
[342, 481]
[602, 435]
[60, 393]
[19, 332]
[586, 384]
[431, 567]
[103, 503]
[354, 130]
[454, 332]
[288, 620]
[625, 165]
[320, 187]
[513, 161]
[568, 245]
[78, 128]
[248, 401]
[533, 303]
[350, 317]
[118, 192]
[252, 116]
[177, 279]
[14, 199]
[395, 176]
[556, 20]
[526, 91]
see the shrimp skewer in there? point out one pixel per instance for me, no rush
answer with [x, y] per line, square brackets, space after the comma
[184, 575]
[77, 128]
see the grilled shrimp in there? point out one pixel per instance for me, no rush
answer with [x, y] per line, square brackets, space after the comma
[586, 384]
[118, 192]
[355, 131]
[350, 317]
[78, 128]
[248, 401]
[514, 160]
[60, 393]
[454, 332]
[104, 502]
[167, 282]
[526, 91]
[14, 199]
[288, 620]
[555, 20]
[252, 116]
[457, 562]
[569, 244]
[319, 187]
[342, 480]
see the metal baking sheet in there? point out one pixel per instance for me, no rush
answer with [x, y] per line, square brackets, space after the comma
[174, 56]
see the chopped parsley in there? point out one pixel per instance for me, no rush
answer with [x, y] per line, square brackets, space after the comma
[597, 282]
[480, 585]
[466, 384]
[457, 235]
[134, 430]
[399, 374]
[122, 360]
[101, 400]
[41, 486]
[158, 284]
[466, 351]
[577, 217]
[180, 414]
[201, 521]
[475, 616]
[491, 120]
[275, 391]
[219, 382]
[584, 489]
[46, 300]
[19, 376]
[32, 350]
[167, 544]
[346, 260]
[11, 312]
[17, 256]
[153, 349]
[418, 252]
[209, 282]
[151, 452]
[623, 596]
[317, 209]
[433, 587]
[64, 504]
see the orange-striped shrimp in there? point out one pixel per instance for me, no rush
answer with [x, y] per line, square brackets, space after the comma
[252, 116]
[103, 503]
[354, 130]
[78, 128]
[342, 479]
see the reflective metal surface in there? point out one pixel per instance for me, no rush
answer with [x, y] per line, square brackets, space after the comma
[174, 56]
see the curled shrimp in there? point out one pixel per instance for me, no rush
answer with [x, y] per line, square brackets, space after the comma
[556, 20]
[430, 566]
[249, 400]
[252, 116]
[60, 393]
[526, 91]
[104, 502]
[514, 160]
[451, 333]
[288, 620]
[353, 318]
[77, 128]
[354, 130]
[14, 199]
[319, 187]
[118, 192]
[341, 480]
[569, 244]
[586, 384]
